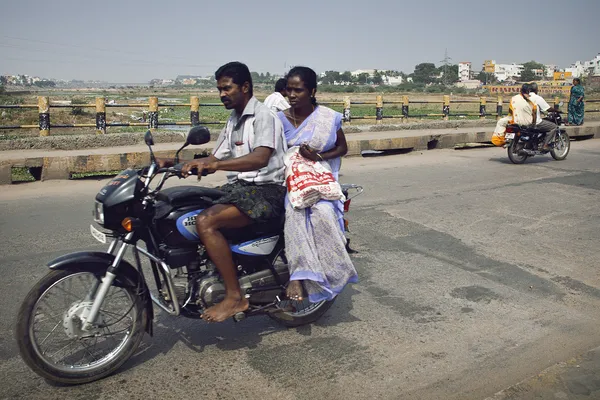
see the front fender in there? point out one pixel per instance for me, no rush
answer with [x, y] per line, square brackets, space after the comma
[97, 262]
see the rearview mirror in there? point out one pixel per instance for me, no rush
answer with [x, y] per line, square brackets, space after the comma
[148, 139]
[198, 135]
[561, 104]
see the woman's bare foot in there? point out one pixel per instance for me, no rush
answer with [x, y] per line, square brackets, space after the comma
[295, 291]
[225, 309]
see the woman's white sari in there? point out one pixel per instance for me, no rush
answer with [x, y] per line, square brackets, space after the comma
[315, 244]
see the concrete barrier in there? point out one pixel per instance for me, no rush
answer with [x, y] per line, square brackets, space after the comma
[62, 164]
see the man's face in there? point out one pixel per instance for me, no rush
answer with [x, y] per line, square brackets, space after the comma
[231, 93]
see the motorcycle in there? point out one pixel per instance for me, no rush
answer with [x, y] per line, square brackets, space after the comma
[88, 315]
[523, 143]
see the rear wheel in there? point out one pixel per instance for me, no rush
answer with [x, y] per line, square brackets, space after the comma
[562, 145]
[515, 152]
[294, 313]
[52, 340]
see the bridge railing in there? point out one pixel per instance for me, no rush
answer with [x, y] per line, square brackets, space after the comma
[151, 117]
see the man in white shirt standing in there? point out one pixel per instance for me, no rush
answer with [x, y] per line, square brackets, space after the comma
[543, 125]
[276, 100]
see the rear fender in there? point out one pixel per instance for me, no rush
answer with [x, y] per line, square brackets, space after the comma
[97, 263]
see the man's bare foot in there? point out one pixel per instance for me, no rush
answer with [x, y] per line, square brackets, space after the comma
[225, 309]
[295, 291]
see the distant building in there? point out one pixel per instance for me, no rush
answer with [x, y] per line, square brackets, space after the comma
[469, 84]
[550, 70]
[464, 71]
[503, 72]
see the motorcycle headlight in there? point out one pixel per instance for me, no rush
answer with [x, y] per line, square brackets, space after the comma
[99, 212]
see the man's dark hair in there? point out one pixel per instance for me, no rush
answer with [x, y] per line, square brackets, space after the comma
[526, 88]
[238, 72]
[280, 84]
[578, 81]
[308, 76]
[533, 87]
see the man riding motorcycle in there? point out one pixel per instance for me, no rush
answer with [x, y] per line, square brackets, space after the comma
[543, 125]
[522, 111]
[251, 147]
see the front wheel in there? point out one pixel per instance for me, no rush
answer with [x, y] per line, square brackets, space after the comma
[49, 329]
[515, 152]
[562, 145]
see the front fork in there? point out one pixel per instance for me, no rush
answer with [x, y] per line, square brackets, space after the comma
[107, 281]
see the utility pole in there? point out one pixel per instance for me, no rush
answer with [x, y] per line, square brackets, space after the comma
[445, 61]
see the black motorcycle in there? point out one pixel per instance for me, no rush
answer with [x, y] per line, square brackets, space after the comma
[525, 142]
[88, 315]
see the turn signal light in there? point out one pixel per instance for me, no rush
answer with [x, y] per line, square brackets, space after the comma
[127, 223]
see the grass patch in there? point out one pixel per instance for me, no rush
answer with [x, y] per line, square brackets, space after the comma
[96, 174]
[21, 174]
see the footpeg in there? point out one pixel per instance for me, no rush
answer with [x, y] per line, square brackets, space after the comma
[239, 316]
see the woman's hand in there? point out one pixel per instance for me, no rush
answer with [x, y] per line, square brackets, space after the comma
[309, 153]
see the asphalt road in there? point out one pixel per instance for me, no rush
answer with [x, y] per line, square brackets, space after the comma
[475, 275]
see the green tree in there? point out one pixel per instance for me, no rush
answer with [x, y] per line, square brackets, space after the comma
[346, 77]
[425, 73]
[450, 73]
[377, 79]
[487, 78]
[528, 74]
[363, 78]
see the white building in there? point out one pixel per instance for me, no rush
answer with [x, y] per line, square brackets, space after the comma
[508, 71]
[577, 70]
[550, 70]
[392, 80]
[464, 71]
[593, 65]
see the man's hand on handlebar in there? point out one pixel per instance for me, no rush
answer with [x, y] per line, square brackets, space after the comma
[198, 167]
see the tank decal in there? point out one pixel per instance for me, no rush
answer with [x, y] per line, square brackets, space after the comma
[257, 247]
[186, 225]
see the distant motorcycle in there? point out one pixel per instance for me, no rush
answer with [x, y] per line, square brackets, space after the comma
[523, 143]
[88, 315]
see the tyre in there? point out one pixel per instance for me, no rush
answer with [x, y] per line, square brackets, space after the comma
[514, 152]
[293, 313]
[49, 327]
[562, 145]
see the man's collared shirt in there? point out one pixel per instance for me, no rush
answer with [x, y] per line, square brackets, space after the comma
[257, 127]
[542, 105]
[276, 102]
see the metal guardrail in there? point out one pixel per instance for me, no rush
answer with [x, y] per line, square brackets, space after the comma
[44, 105]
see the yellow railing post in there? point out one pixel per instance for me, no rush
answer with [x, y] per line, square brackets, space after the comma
[347, 113]
[379, 109]
[100, 115]
[482, 103]
[405, 107]
[499, 108]
[195, 110]
[153, 113]
[446, 107]
[44, 111]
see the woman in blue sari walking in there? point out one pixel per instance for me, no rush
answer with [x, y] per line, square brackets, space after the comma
[315, 245]
[576, 105]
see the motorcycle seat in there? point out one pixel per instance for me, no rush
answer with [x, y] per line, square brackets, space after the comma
[179, 196]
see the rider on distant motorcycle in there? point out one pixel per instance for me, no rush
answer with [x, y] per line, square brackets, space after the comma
[522, 111]
[543, 125]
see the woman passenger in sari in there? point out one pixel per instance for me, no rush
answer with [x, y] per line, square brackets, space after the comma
[576, 105]
[314, 237]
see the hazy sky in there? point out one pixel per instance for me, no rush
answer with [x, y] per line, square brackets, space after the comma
[135, 41]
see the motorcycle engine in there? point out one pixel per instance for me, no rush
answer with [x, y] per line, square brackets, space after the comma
[211, 290]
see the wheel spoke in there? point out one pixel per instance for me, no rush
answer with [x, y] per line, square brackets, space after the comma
[51, 332]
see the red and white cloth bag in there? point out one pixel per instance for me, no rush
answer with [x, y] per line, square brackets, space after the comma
[309, 181]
